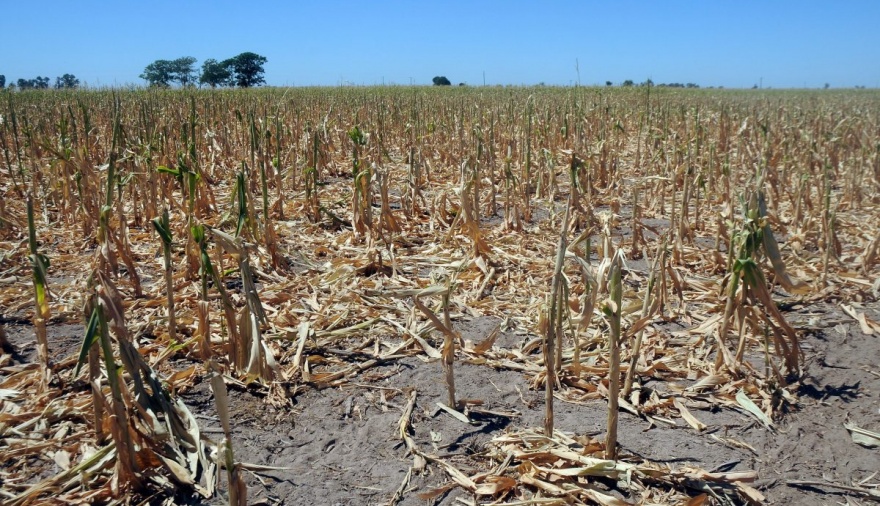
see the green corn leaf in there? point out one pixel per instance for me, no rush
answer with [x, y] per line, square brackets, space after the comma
[88, 341]
[193, 180]
[743, 400]
[207, 268]
[357, 136]
[166, 170]
[163, 228]
[198, 233]
[124, 180]
[40, 266]
[182, 167]
[751, 272]
[242, 202]
[163, 232]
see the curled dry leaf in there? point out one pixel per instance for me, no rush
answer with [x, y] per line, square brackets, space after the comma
[863, 437]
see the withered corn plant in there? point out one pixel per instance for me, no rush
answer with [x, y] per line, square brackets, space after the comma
[187, 181]
[613, 307]
[249, 352]
[148, 426]
[747, 287]
[310, 182]
[40, 269]
[362, 192]
[128, 470]
[208, 273]
[552, 332]
[450, 337]
[237, 486]
[648, 306]
[163, 228]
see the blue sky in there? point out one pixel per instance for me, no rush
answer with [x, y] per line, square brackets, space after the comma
[711, 43]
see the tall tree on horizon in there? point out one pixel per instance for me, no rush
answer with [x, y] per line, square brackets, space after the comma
[247, 69]
[162, 73]
[67, 81]
[215, 73]
[37, 83]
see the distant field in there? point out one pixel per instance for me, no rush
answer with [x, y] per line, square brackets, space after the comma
[442, 295]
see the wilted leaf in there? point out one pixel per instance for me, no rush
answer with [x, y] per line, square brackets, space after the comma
[495, 484]
[863, 437]
[771, 247]
[436, 492]
[456, 414]
[180, 473]
[486, 344]
[743, 400]
[699, 500]
[688, 417]
[605, 499]
[88, 340]
[709, 382]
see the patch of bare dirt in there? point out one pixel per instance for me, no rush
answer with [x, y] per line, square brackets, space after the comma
[341, 445]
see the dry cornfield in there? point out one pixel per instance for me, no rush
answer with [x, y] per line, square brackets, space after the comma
[440, 296]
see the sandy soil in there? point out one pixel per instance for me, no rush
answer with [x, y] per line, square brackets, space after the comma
[340, 446]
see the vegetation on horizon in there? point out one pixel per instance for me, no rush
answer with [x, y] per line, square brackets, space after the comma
[244, 71]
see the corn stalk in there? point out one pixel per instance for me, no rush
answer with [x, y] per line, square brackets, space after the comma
[40, 268]
[250, 354]
[237, 486]
[449, 339]
[747, 285]
[612, 309]
[553, 332]
[163, 228]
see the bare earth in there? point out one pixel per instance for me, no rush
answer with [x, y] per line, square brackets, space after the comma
[340, 446]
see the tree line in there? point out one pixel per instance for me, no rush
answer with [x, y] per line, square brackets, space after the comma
[244, 71]
[67, 81]
[649, 83]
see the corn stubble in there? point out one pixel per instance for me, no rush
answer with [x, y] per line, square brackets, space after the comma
[294, 222]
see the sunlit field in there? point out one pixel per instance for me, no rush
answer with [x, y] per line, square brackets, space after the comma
[439, 295]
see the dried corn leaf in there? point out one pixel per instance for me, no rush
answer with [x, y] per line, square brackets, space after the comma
[743, 400]
[688, 417]
[493, 485]
[863, 437]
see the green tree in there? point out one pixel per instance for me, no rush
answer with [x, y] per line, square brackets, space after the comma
[183, 70]
[2, 81]
[441, 81]
[215, 73]
[159, 73]
[246, 69]
[628, 82]
[162, 73]
[67, 81]
[37, 83]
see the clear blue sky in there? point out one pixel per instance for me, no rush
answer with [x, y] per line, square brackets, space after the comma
[710, 42]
